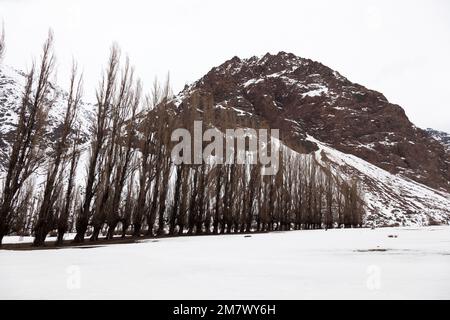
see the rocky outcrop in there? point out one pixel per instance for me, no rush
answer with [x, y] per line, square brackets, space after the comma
[300, 96]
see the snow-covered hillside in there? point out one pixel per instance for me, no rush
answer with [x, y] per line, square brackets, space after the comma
[387, 263]
[403, 169]
[390, 199]
[12, 84]
[442, 137]
[282, 89]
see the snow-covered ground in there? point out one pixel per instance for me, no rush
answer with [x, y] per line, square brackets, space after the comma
[341, 264]
[29, 239]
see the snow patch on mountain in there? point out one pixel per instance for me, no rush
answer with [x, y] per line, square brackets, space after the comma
[442, 137]
[12, 84]
[391, 200]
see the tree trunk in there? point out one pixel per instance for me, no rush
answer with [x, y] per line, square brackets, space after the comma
[111, 228]
[137, 226]
[95, 233]
[60, 238]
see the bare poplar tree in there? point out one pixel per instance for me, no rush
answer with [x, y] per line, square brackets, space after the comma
[175, 209]
[105, 96]
[127, 114]
[69, 203]
[129, 203]
[118, 152]
[163, 135]
[46, 216]
[27, 151]
[150, 153]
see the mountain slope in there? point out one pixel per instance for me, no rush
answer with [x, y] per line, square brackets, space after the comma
[300, 96]
[11, 87]
[405, 172]
[391, 200]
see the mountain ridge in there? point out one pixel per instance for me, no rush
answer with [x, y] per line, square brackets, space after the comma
[316, 108]
[318, 111]
[288, 90]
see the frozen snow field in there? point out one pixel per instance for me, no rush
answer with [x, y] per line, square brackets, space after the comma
[390, 263]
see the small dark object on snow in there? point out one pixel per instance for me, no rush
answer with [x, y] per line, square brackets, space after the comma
[247, 236]
[393, 236]
[87, 247]
[373, 250]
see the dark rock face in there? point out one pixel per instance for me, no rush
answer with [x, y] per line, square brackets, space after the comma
[302, 97]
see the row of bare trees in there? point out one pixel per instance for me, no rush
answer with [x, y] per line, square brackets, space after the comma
[131, 185]
[28, 147]
[233, 198]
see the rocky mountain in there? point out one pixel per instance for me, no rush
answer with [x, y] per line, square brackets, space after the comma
[12, 84]
[406, 172]
[300, 96]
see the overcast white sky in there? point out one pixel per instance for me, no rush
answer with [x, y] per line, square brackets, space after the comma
[401, 48]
